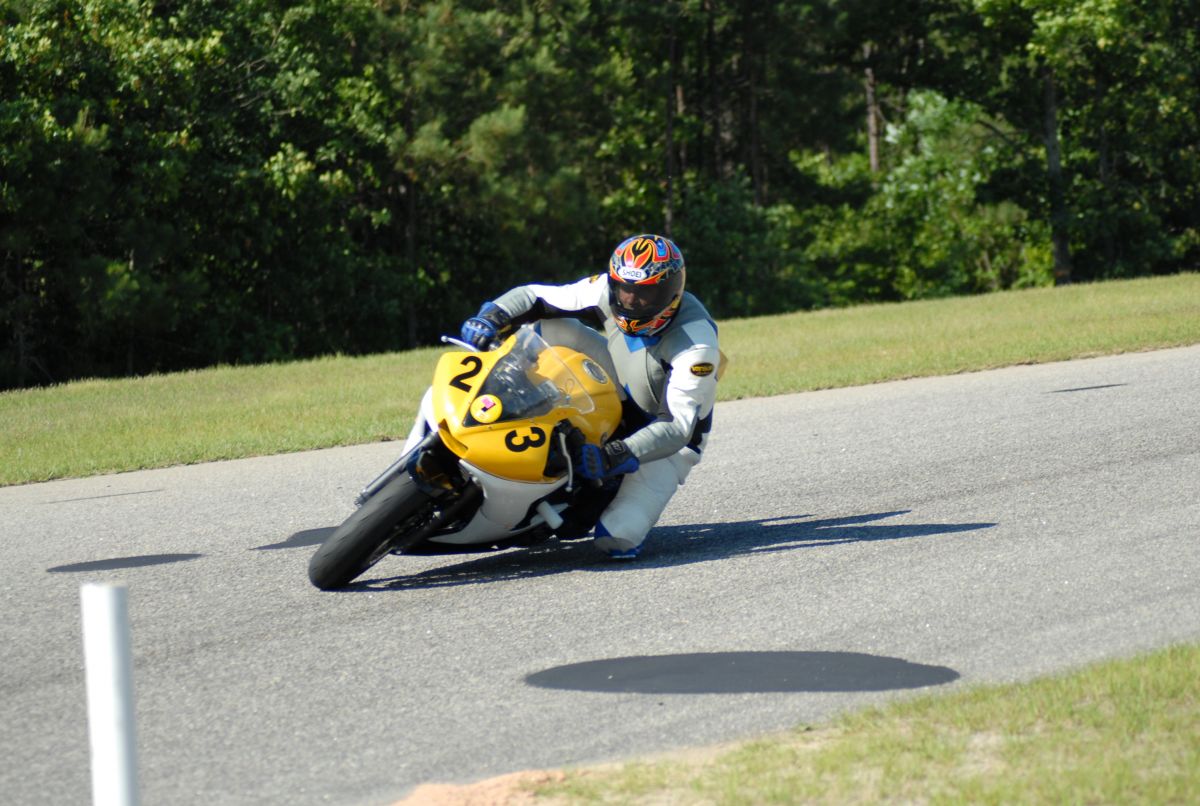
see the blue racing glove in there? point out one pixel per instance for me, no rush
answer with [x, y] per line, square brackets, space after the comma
[490, 325]
[611, 460]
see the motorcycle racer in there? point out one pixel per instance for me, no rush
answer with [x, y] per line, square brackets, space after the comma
[664, 354]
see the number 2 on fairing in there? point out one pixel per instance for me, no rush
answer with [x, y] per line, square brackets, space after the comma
[536, 439]
[459, 381]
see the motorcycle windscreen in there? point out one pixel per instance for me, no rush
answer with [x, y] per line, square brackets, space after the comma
[530, 381]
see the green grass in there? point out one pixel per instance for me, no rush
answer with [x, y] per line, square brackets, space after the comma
[866, 344]
[1124, 731]
[94, 427]
[102, 426]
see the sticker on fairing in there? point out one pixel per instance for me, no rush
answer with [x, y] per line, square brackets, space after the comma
[486, 409]
[702, 370]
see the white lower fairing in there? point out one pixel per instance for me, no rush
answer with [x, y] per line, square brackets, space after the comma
[505, 504]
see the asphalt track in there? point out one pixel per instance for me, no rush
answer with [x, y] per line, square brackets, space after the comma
[835, 549]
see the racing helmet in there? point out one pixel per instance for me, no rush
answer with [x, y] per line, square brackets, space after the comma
[645, 284]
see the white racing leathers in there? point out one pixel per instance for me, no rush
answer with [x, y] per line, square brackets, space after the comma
[670, 380]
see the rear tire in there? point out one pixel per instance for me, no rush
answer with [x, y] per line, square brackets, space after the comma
[370, 533]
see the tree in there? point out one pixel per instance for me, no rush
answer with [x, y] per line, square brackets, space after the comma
[187, 184]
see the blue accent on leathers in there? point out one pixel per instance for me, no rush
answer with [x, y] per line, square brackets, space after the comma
[616, 554]
[635, 343]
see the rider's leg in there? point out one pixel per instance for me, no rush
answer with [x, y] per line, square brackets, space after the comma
[640, 502]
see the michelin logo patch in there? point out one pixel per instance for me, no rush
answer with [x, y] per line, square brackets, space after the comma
[702, 370]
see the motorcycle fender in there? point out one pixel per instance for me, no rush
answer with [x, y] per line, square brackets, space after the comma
[507, 502]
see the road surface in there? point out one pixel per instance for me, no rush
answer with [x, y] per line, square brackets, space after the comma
[835, 549]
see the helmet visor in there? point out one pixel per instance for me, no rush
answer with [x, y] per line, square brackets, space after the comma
[644, 301]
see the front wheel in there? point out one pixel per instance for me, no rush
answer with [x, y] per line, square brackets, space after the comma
[370, 533]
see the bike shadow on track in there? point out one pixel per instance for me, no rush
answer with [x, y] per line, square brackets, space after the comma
[665, 547]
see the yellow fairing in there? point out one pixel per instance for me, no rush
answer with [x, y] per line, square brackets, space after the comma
[511, 447]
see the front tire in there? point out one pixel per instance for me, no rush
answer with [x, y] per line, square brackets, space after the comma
[370, 533]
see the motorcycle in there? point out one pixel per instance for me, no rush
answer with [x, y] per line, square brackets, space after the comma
[495, 466]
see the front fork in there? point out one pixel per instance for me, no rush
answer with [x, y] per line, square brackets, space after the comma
[436, 483]
[404, 464]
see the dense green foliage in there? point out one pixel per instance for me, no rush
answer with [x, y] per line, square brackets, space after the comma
[196, 182]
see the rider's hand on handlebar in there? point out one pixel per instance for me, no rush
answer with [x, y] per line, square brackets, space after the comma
[613, 459]
[486, 327]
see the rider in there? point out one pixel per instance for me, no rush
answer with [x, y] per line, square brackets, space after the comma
[663, 348]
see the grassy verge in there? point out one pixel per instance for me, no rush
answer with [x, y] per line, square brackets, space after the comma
[94, 427]
[103, 426]
[867, 344]
[1119, 732]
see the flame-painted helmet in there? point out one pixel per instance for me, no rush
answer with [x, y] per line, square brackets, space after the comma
[645, 284]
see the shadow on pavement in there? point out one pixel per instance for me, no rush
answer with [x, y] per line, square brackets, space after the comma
[665, 547]
[308, 537]
[123, 562]
[743, 673]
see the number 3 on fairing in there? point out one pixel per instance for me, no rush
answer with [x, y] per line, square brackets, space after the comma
[536, 439]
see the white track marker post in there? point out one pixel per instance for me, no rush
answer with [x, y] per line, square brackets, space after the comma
[108, 658]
